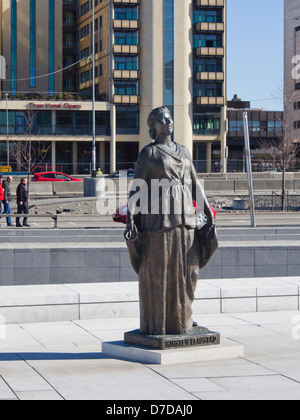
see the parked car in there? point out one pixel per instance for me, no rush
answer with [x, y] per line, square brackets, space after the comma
[54, 176]
[129, 173]
[120, 215]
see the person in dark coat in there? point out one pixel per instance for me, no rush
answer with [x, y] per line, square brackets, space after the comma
[22, 202]
[1, 196]
[7, 198]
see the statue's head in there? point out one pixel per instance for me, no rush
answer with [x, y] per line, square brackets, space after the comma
[163, 117]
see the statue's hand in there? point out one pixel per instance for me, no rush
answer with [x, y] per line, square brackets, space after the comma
[131, 231]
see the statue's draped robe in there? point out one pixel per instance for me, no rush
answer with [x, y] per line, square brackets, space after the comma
[169, 265]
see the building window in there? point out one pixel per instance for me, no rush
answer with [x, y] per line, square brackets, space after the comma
[85, 53]
[126, 63]
[32, 43]
[296, 125]
[51, 46]
[206, 125]
[127, 38]
[208, 41]
[126, 88]
[85, 31]
[236, 125]
[212, 65]
[13, 47]
[85, 8]
[169, 53]
[127, 120]
[208, 90]
[127, 13]
[85, 76]
[275, 126]
[208, 15]
[254, 126]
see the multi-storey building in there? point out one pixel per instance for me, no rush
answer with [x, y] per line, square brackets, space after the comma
[32, 46]
[292, 67]
[148, 53]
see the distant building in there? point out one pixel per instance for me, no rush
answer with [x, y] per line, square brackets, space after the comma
[292, 66]
[148, 53]
[263, 125]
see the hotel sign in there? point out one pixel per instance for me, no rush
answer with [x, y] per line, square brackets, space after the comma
[67, 106]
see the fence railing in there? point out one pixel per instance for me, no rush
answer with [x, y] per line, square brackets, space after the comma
[85, 168]
[239, 166]
[58, 130]
[68, 168]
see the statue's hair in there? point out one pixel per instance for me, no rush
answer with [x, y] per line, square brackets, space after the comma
[152, 120]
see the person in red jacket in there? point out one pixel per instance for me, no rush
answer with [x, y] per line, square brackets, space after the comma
[1, 195]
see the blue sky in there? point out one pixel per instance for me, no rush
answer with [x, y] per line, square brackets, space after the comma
[255, 51]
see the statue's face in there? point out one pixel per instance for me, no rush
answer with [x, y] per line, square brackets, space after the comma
[164, 124]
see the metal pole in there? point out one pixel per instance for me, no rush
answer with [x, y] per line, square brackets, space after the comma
[249, 170]
[93, 89]
[7, 131]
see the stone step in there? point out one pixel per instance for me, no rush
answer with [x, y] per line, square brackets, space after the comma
[116, 235]
[53, 303]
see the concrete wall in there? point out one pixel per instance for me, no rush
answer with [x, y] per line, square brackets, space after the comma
[51, 188]
[71, 263]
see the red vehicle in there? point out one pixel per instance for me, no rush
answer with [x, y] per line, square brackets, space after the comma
[54, 176]
[121, 214]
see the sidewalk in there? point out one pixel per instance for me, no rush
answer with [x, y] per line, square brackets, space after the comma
[63, 360]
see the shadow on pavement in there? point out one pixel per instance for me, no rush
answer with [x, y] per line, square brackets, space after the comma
[4, 357]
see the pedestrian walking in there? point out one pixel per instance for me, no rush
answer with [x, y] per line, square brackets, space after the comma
[7, 198]
[22, 202]
[1, 196]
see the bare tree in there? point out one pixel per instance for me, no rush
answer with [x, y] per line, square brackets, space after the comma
[28, 154]
[284, 150]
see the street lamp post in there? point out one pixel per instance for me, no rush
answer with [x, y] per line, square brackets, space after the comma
[249, 169]
[7, 130]
[93, 90]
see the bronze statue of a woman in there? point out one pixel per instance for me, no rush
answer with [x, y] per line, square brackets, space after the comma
[164, 231]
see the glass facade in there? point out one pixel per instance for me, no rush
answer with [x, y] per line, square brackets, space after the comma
[32, 43]
[13, 63]
[169, 53]
[51, 46]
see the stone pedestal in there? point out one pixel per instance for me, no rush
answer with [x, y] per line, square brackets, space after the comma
[200, 345]
[198, 336]
[94, 187]
[227, 349]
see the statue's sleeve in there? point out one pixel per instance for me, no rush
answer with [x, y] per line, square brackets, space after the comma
[140, 183]
[143, 164]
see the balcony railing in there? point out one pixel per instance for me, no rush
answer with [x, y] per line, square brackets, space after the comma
[129, 25]
[210, 27]
[210, 52]
[126, 2]
[210, 76]
[208, 100]
[126, 74]
[210, 3]
[126, 49]
[126, 99]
